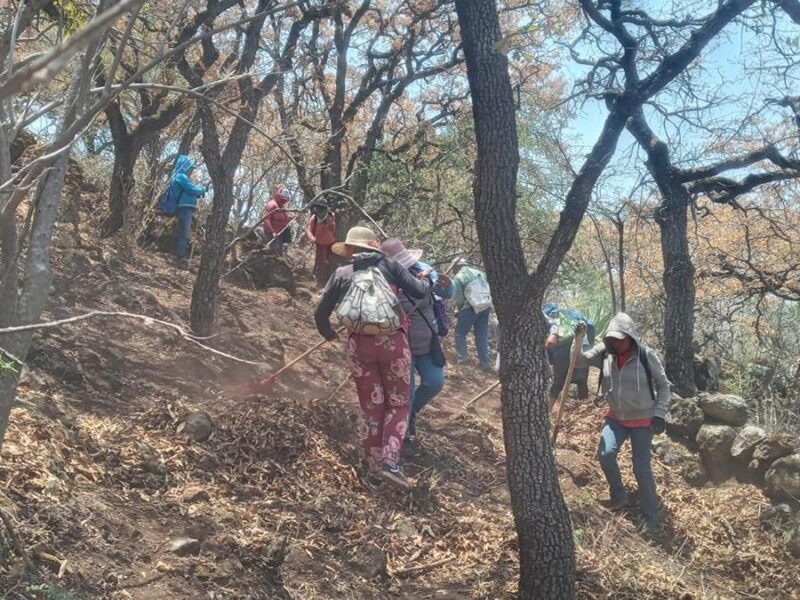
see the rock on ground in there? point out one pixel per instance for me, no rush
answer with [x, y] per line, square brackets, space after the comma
[775, 446]
[675, 454]
[746, 441]
[715, 443]
[184, 546]
[264, 269]
[684, 418]
[370, 561]
[706, 373]
[777, 515]
[195, 494]
[725, 408]
[197, 425]
[783, 478]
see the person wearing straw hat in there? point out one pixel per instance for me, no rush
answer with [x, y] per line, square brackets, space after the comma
[380, 364]
[427, 357]
[638, 393]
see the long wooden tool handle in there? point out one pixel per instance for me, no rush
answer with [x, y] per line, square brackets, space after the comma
[482, 394]
[296, 360]
[577, 343]
[257, 386]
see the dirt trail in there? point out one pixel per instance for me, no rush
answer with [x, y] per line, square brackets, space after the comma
[101, 483]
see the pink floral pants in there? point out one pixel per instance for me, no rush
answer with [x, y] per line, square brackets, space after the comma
[381, 367]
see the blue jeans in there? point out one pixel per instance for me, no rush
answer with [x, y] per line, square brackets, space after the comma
[612, 436]
[467, 319]
[184, 228]
[431, 383]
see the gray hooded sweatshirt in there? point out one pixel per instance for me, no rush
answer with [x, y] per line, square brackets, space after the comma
[625, 389]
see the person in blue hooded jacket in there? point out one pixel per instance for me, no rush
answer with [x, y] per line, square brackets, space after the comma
[187, 192]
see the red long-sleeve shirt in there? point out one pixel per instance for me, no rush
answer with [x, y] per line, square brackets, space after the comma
[275, 220]
[322, 234]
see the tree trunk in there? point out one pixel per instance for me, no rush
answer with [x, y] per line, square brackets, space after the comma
[546, 548]
[679, 291]
[27, 305]
[122, 182]
[678, 278]
[153, 150]
[36, 284]
[204, 294]
[9, 243]
[188, 137]
[544, 531]
[620, 224]
[609, 267]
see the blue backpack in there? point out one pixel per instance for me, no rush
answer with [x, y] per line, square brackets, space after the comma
[168, 203]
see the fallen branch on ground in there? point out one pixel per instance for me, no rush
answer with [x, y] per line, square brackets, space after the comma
[425, 567]
[126, 315]
[6, 353]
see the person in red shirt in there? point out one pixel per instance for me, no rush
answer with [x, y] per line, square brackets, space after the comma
[321, 230]
[274, 226]
[638, 393]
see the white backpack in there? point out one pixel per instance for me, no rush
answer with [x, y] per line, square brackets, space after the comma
[478, 294]
[370, 307]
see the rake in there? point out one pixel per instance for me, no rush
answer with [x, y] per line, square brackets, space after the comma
[263, 385]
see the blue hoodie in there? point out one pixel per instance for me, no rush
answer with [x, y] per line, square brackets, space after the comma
[181, 185]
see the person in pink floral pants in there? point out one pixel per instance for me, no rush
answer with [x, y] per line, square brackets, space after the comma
[380, 364]
[381, 367]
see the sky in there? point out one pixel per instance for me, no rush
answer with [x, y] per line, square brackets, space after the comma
[734, 68]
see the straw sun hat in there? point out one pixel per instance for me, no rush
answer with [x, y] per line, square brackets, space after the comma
[358, 237]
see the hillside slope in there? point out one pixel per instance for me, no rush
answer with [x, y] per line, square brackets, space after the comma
[111, 499]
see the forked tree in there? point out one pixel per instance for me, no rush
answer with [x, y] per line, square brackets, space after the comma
[546, 547]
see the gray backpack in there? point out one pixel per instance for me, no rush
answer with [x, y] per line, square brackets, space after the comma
[370, 307]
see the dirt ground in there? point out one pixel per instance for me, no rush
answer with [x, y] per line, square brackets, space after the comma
[110, 498]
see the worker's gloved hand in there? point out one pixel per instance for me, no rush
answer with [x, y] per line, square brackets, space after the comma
[658, 425]
[580, 328]
[331, 337]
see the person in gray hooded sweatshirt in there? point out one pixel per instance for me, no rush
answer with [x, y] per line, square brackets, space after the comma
[637, 391]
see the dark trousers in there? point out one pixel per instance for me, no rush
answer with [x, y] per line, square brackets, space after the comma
[184, 230]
